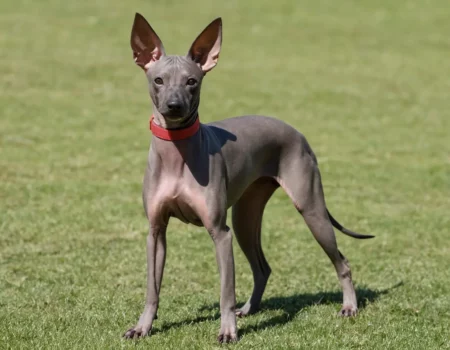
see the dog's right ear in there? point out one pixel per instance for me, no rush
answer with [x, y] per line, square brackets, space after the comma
[145, 43]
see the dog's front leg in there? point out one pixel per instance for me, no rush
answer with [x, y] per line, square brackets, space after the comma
[156, 256]
[223, 239]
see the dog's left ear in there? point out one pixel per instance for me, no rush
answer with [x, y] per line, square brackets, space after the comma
[206, 48]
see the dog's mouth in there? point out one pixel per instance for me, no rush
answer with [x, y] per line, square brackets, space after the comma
[173, 118]
[172, 115]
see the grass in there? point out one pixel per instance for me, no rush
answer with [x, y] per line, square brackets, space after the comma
[366, 82]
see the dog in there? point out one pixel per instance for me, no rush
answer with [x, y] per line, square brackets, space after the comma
[197, 171]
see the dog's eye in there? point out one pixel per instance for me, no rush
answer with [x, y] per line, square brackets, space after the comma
[159, 81]
[191, 82]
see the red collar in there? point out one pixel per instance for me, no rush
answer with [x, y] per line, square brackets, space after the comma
[173, 134]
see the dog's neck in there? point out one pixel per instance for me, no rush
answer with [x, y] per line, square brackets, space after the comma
[174, 155]
[187, 146]
[174, 134]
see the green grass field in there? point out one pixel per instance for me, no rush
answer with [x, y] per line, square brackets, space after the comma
[367, 82]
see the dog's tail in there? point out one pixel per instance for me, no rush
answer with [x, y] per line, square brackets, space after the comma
[346, 231]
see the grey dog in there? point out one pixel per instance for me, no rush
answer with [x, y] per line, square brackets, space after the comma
[197, 171]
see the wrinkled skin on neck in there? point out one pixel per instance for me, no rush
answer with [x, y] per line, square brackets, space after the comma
[175, 81]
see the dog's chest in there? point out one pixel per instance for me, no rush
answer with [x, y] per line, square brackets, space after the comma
[179, 180]
[185, 204]
[176, 198]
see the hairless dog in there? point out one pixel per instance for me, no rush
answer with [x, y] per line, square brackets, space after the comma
[197, 171]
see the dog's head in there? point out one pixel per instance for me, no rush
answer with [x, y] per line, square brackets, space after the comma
[175, 81]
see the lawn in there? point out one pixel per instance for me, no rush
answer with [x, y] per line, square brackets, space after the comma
[367, 82]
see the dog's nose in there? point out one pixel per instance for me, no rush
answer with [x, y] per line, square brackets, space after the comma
[174, 105]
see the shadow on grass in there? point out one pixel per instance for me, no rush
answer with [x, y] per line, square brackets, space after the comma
[291, 305]
[169, 325]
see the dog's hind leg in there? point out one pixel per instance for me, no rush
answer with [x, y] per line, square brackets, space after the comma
[304, 186]
[247, 219]
[319, 224]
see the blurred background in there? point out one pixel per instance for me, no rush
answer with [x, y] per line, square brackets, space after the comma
[366, 82]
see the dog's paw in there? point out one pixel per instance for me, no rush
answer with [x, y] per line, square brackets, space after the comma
[348, 311]
[143, 327]
[137, 332]
[241, 313]
[141, 330]
[246, 310]
[227, 337]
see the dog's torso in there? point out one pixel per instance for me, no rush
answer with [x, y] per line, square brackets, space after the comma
[197, 178]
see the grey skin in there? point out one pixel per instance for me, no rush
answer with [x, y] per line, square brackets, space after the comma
[238, 163]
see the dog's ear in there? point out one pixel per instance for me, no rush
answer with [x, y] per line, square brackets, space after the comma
[206, 48]
[145, 43]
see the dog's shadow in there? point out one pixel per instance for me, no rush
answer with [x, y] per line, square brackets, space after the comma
[290, 305]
